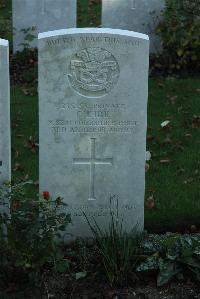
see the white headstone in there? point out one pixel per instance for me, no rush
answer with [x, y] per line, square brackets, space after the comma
[40, 16]
[137, 15]
[93, 87]
[5, 162]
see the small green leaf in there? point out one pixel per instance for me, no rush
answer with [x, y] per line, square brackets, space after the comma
[151, 263]
[191, 262]
[180, 52]
[187, 252]
[62, 266]
[166, 273]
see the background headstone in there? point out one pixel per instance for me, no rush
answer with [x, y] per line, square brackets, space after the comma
[5, 162]
[136, 15]
[93, 88]
[41, 16]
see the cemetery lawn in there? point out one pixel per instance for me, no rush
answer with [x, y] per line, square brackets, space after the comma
[172, 181]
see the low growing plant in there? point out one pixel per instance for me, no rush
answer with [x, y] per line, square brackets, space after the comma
[25, 64]
[5, 20]
[172, 256]
[118, 250]
[5, 29]
[29, 233]
[179, 30]
[29, 36]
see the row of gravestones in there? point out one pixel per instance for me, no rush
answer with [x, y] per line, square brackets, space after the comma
[31, 17]
[93, 89]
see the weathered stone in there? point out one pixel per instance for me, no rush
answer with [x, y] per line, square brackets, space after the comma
[93, 86]
[5, 162]
[136, 15]
[33, 16]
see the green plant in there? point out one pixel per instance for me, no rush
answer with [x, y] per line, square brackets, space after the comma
[5, 29]
[118, 250]
[29, 36]
[30, 233]
[5, 19]
[26, 64]
[179, 30]
[174, 255]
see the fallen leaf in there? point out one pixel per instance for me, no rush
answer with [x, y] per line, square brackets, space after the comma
[149, 202]
[81, 275]
[165, 161]
[167, 140]
[161, 85]
[150, 137]
[193, 229]
[32, 144]
[180, 171]
[16, 154]
[188, 135]
[26, 177]
[148, 156]
[25, 91]
[188, 181]
[165, 123]
[17, 166]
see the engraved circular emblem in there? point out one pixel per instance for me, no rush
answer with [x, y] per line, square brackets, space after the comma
[93, 72]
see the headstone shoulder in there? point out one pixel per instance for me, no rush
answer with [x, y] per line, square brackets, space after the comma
[4, 42]
[69, 31]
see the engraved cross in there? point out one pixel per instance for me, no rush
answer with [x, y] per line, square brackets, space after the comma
[92, 161]
[43, 7]
[133, 4]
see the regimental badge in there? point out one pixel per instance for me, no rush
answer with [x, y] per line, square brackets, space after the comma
[93, 72]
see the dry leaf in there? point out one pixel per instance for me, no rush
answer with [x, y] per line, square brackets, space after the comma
[193, 229]
[167, 140]
[149, 202]
[165, 123]
[161, 85]
[165, 161]
[148, 156]
[17, 167]
[188, 135]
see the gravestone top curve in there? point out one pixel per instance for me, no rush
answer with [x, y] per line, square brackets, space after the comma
[93, 30]
[3, 42]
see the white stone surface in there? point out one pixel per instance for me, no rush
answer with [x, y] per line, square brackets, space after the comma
[5, 162]
[93, 89]
[137, 15]
[41, 15]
